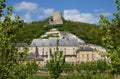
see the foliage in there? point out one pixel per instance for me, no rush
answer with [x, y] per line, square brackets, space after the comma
[85, 31]
[88, 32]
[56, 63]
[32, 67]
[81, 76]
[30, 31]
[12, 65]
[100, 65]
[110, 31]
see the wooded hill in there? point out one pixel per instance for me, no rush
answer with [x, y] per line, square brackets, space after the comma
[88, 32]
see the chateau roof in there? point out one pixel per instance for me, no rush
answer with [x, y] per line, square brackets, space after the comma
[31, 56]
[21, 44]
[53, 42]
[85, 49]
[50, 39]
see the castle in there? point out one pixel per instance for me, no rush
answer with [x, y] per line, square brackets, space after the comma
[56, 19]
[74, 49]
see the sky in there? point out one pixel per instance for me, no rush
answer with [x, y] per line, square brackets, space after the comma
[75, 10]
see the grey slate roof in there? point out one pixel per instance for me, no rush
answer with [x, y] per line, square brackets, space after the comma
[53, 42]
[65, 39]
[85, 49]
[31, 56]
[38, 58]
[21, 44]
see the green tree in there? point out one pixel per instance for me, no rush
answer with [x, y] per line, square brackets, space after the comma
[12, 65]
[32, 67]
[56, 63]
[102, 65]
[110, 32]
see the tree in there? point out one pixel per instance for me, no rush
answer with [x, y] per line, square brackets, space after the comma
[101, 65]
[10, 65]
[110, 31]
[32, 67]
[56, 63]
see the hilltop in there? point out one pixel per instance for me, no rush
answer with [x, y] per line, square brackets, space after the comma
[85, 31]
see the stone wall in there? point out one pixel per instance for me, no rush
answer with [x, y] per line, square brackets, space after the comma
[72, 54]
[56, 19]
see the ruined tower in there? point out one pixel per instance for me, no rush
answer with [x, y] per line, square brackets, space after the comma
[56, 19]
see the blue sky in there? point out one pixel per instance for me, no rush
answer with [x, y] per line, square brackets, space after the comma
[75, 10]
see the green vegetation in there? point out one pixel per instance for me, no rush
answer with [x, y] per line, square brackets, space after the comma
[110, 30]
[88, 32]
[81, 76]
[56, 64]
[14, 66]
[30, 31]
[12, 63]
[109, 34]
[93, 67]
[89, 70]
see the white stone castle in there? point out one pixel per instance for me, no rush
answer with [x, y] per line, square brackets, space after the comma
[74, 49]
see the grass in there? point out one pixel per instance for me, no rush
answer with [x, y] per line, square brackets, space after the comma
[81, 76]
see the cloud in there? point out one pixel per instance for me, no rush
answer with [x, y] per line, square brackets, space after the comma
[12, 17]
[75, 15]
[41, 17]
[105, 13]
[27, 18]
[26, 6]
[48, 11]
[98, 12]
[30, 11]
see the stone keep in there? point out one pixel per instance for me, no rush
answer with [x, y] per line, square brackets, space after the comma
[56, 19]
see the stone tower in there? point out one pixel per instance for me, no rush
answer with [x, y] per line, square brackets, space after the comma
[56, 19]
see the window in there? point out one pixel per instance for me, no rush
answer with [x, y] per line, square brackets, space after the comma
[87, 59]
[51, 19]
[82, 55]
[87, 55]
[74, 51]
[93, 55]
[65, 49]
[39, 62]
[34, 43]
